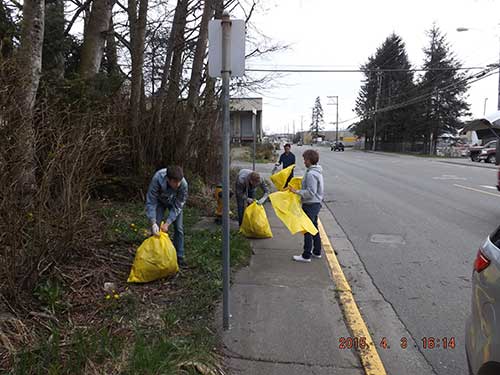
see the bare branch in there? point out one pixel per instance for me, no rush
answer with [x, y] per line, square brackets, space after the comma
[84, 6]
[17, 4]
[123, 41]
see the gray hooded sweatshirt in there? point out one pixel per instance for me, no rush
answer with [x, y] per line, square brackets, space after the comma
[312, 185]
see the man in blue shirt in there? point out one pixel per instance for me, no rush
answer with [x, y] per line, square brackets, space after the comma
[168, 190]
[287, 159]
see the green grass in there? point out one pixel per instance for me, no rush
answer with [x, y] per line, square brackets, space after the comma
[128, 223]
[53, 356]
[185, 332]
[187, 335]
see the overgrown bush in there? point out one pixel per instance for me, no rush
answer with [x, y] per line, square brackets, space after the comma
[47, 225]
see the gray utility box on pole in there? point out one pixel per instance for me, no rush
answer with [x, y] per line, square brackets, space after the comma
[226, 59]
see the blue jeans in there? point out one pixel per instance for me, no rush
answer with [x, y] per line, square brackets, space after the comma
[312, 212]
[242, 204]
[178, 229]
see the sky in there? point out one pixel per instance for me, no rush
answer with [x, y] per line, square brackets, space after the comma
[327, 34]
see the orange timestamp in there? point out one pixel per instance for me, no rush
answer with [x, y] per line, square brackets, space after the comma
[428, 343]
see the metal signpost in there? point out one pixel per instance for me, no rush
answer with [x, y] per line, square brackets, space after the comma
[254, 132]
[226, 59]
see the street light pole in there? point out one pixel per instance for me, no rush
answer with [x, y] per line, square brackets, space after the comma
[484, 109]
[463, 29]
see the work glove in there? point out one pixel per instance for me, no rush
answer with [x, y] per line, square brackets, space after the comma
[262, 200]
[249, 200]
[275, 169]
[155, 229]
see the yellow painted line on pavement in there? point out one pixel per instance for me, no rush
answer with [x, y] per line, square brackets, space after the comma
[479, 191]
[368, 354]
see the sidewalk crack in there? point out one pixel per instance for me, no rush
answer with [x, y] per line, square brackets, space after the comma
[305, 364]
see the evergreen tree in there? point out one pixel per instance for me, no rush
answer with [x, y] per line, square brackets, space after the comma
[394, 119]
[445, 87]
[317, 118]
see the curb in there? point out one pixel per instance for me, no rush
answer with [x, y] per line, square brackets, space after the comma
[368, 354]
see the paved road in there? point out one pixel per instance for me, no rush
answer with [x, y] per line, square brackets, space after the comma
[416, 225]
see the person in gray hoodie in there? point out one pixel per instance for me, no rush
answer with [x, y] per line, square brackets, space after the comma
[311, 195]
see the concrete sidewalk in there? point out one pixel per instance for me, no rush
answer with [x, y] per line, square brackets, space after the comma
[285, 318]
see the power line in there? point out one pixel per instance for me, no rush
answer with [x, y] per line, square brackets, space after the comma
[421, 98]
[280, 70]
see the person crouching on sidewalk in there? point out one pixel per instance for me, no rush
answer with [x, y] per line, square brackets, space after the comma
[311, 195]
[246, 183]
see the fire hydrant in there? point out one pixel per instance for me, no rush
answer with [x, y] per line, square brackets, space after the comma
[219, 200]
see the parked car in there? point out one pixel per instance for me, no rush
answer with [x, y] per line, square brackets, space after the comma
[475, 151]
[488, 153]
[482, 333]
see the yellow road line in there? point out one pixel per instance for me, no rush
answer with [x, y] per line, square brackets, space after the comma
[368, 354]
[479, 191]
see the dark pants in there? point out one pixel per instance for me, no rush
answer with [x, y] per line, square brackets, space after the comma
[178, 229]
[288, 180]
[242, 204]
[312, 212]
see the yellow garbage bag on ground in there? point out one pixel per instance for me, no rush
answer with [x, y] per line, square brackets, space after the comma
[255, 223]
[296, 183]
[279, 179]
[154, 259]
[289, 210]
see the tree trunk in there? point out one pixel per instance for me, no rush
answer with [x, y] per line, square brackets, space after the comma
[196, 77]
[111, 50]
[178, 25]
[137, 19]
[30, 66]
[95, 38]
[54, 40]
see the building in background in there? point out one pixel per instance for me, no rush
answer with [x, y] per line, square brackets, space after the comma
[346, 137]
[242, 111]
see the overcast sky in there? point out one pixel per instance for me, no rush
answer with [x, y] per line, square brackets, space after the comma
[343, 34]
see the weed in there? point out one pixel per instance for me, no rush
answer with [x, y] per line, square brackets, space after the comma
[50, 294]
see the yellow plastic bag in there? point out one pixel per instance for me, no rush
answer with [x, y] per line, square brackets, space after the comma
[154, 259]
[289, 210]
[255, 223]
[279, 179]
[296, 183]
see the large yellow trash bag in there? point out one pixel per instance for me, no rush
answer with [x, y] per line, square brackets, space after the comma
[255, 223]
[289, 210]
[279, 179]
[154, 259]
[296, 183]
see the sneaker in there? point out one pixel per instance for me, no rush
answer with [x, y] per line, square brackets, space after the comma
[315, 256]
[182, 263]
[300, 258]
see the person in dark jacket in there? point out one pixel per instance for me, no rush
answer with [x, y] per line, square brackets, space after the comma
[311, 194]
[168, 190]
[246, 183]
[286, 159]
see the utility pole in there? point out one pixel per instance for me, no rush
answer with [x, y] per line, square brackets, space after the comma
[302, 128]
[293, 136]
[337, 115]
[337, 127]
[379, 87]
[485, 100]
[226, 76]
